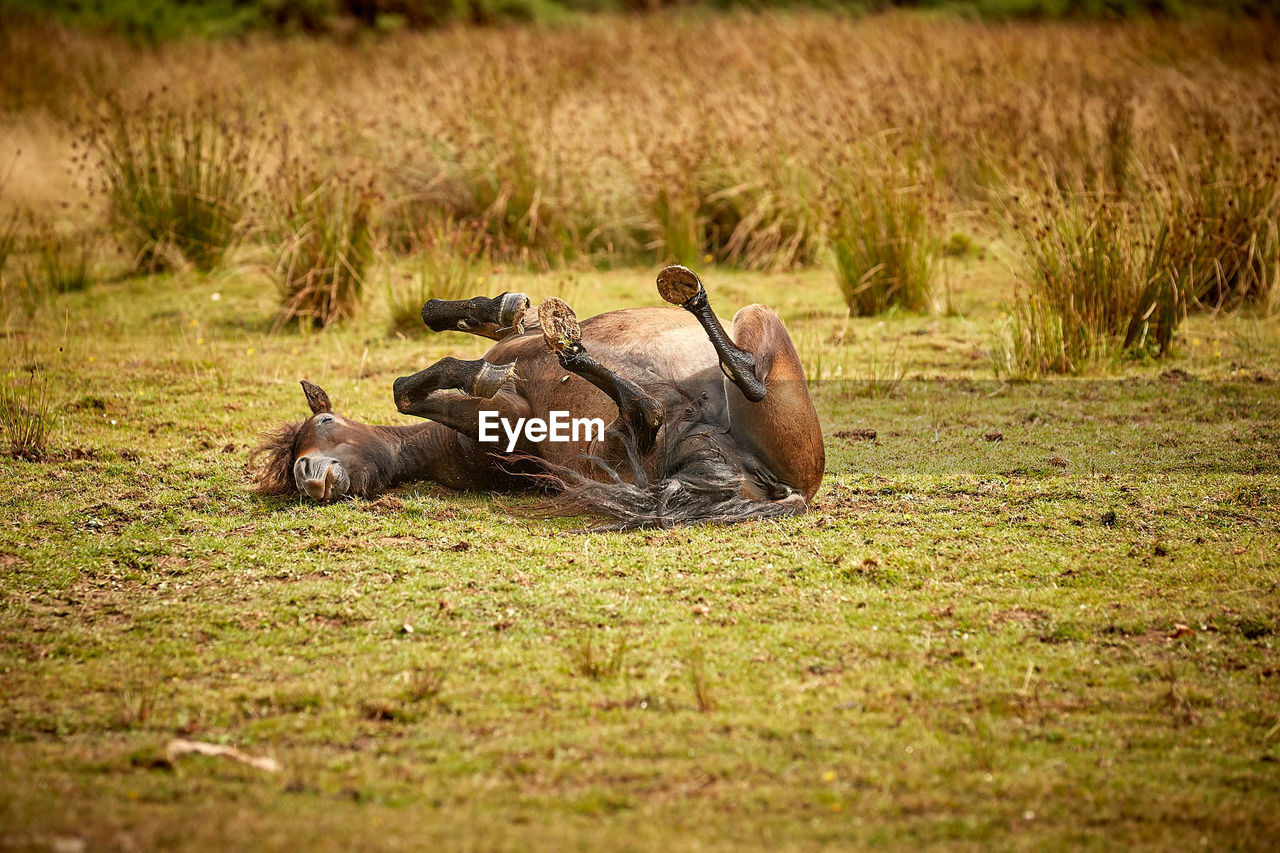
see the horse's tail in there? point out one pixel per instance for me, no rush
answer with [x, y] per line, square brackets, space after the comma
[688, 478]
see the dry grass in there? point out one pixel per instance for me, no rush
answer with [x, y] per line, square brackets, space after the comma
[1097, 286]
[633, 141]
[56, 262]
[1220, 234]
[590, 655]
[8, 239]
[26, 410]
[322, 233]
[447, 262]
[886, 253]
[176, 181]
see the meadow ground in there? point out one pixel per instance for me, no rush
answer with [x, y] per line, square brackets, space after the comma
[967, 642]
[1021, 614]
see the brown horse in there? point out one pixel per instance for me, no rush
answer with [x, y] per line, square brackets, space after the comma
[702, 426]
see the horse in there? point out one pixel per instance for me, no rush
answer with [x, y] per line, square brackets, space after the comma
[702, 425]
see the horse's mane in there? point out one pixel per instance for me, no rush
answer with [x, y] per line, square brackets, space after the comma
[274, 476]
[690, 476]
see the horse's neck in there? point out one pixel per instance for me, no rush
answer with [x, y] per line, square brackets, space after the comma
[425, 451]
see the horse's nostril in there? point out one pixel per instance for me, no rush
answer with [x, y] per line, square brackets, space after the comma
[314, 476]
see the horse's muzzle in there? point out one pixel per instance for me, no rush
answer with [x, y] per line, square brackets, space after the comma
[321, 478]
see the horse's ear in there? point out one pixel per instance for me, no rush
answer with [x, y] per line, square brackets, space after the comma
[316, 398]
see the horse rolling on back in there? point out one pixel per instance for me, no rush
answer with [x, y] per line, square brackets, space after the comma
[703, 425]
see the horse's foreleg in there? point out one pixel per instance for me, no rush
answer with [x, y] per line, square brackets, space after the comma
[487, 391]
[639, 411]
[681, 286]
[476, 378]
[468, 415]
[496, 317]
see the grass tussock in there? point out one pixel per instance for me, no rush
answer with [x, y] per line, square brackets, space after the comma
[8, 239]
[425, 684]
[56, 262]
[700, 681]
[591, 657]
[1098, 285]
[9, 220]
[757, 212]
[26, 412]
[322, 233]
[1221, 231]
[885, 249]
[176, 181]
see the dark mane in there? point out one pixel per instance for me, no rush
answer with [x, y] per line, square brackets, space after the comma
[274, 476]
[690, 477]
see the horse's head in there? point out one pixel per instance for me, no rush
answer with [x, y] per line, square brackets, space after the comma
[325, 457]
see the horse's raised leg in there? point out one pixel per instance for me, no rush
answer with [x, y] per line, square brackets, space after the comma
[496, 317]
[681, 286]
[774, 417]
[485, 387]
[782, 428]
[476, 378]
[636, 408]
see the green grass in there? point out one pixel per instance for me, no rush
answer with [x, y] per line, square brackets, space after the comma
[965, 644]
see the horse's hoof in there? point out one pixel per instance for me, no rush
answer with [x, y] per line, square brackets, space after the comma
[511, 312]
[679, 285]
[793, 504]
[491, 378]
[560, 327]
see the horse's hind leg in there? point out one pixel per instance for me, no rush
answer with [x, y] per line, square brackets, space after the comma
[782, 429]
[636, 408]
[681, 286]
[496, 317]
[773, 418]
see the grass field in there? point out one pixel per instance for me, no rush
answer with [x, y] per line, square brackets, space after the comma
[968, 642]
[1021, 614]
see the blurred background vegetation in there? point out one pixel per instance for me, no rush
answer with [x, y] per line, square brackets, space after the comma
[1111, 177]
[156, 20]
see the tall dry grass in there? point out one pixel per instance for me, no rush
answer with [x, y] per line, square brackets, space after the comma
[885, 247]
[624, 141]
[322, 235]
[176, 180]
[1221, 229]
[26, 404]
[8, 237]
[57, 262]
[1100, 282]
[447, 262]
